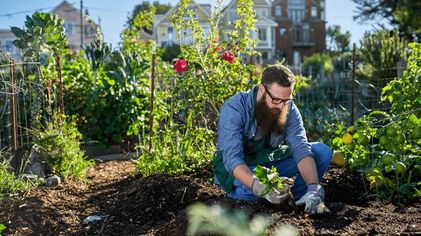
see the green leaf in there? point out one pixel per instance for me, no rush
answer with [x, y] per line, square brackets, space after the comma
[20, 44]
[17, 32]
[2, 227]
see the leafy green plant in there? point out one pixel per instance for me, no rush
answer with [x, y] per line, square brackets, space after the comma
[9, 182]
[59, 143]
[176, 149]
[379, 55]
[43, 36]
[211, 77]
[268, 177]
[2, 228]
[385, 147]
[222, 221]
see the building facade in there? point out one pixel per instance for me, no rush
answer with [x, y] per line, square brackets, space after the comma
[165, 34]
[300, 31]
[73, 26]
[71, 16]
[265, 27]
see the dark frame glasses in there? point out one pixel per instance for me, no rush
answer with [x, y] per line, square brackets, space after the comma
[276, 100]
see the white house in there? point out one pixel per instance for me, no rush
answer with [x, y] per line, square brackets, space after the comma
[72, 24]
[265, 26]
[164, 32]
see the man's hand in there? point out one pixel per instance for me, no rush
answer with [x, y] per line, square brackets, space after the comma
[313, 200]
[276, 196]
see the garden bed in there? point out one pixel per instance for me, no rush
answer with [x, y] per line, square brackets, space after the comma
[155, 205]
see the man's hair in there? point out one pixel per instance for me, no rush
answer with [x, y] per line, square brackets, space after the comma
[279, 74]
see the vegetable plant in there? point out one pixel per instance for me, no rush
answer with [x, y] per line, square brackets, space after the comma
[268, 177]
[385, 146]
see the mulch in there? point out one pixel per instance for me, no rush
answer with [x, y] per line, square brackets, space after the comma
[156, 205]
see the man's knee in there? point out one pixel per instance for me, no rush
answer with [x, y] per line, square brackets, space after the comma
[322, 152]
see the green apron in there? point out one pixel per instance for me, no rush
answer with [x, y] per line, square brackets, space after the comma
[256, 152]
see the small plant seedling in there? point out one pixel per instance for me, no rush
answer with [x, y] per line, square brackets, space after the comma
[268, 177]
[2, 228]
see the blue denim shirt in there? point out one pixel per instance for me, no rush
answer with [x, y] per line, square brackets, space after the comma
[233, 125]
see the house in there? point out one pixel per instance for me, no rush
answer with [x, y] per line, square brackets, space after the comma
[71, 16]
[300, 31]
[72, 24]
[7, 46]
[265, 27]
[165, 34]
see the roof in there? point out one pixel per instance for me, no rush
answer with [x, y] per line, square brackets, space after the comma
[265, 3]
[207, 8]
[202, 7]
[264, 20]
[64, 3]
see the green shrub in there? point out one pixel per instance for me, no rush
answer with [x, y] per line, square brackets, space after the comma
[174, 151]
[9, 182]
[385, 147]
[59, 143]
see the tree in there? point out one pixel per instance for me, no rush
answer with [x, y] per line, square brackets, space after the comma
[146, 6]
[380, 52]
[338, 41]
[403, 14]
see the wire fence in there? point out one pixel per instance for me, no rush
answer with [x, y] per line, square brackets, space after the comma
[339, 96]
[22, 102]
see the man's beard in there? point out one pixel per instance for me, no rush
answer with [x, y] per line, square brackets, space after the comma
[271, 119]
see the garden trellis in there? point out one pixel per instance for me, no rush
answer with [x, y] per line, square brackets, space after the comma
[22, 102]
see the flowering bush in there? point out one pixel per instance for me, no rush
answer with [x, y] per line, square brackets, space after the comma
[180, 65]
[207, 73]
[228, 56]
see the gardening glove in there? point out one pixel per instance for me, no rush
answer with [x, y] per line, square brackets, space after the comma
[276, 196]
[313, 200]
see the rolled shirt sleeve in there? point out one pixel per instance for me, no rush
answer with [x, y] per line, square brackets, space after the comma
[230, 136]
[296, 137]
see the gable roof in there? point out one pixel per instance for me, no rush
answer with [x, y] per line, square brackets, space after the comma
[256, 3]
[201, 7]
[64, 3]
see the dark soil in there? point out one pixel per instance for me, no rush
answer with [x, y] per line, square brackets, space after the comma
[156, 205]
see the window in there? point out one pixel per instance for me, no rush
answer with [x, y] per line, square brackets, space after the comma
[282, 32]
[262, 12]
[296, 3]
[170, 33]
[68, 26]
[296, 58]
[313, 11]
[306, 33]
[262, 34]
[296, 10]
[278, 11]
[296, 15]
[89, 31]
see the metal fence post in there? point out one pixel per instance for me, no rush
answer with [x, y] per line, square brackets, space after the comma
[353, 85]
[14, 120]
[153, 74]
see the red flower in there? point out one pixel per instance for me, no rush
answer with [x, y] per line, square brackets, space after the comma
[228, 56]
[180, 65]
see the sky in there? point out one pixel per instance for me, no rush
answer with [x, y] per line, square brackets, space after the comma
[113, 14]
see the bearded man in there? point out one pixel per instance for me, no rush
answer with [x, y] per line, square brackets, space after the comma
[252, 129]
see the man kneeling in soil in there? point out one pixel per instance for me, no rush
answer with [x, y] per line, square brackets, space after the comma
[252, 127]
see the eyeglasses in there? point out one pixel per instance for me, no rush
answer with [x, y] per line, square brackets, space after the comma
[276, 100]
